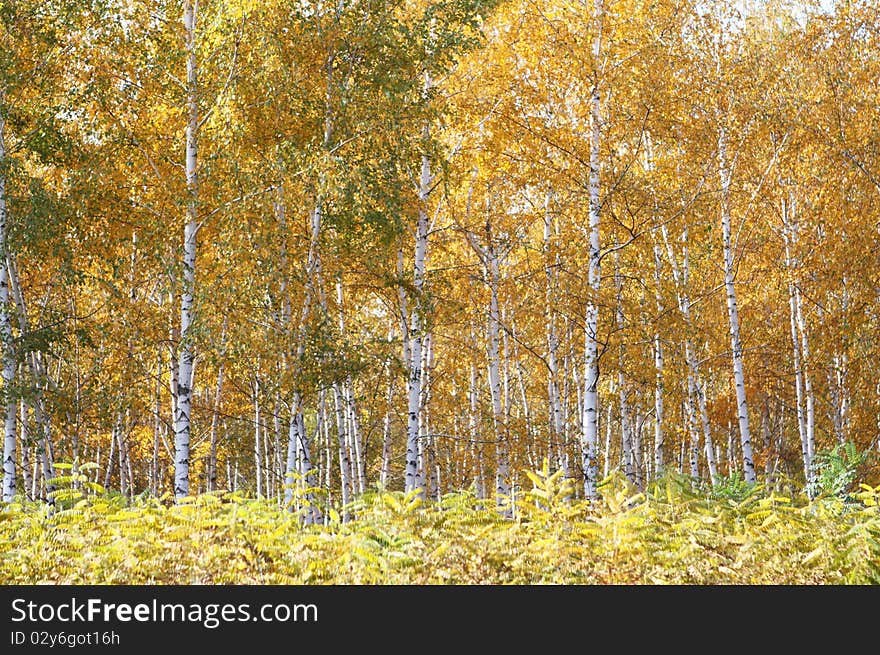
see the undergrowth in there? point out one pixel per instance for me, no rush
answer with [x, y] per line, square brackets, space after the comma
[670, 533]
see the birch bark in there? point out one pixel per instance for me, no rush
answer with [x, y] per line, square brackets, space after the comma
[733, 311]
[183, 410]
[502, 484]
[658, 370]
[590, 421]
[6, 341]
[414, 476]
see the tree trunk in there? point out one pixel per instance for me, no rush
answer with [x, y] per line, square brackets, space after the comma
[658, 370]
[796, 359]
[733, 312]
[183, 414]
[474, 432]
[110, 458]
[414, 476]
[299, 465]
[25, 452]
[6, 341]
[385, 474]
[590, 423]
[553, 392]
[626, 435]
[157, 427]
[502, 483]
[215, 413]
[258, 460]
[344, 460]
[427, 455]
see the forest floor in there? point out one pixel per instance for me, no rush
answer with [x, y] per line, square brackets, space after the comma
[670, 534]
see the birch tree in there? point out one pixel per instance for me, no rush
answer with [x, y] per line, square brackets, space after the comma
[183, 408]
[8, 355]
[590, 420]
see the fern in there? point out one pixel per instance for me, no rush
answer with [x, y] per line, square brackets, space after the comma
[834, 471]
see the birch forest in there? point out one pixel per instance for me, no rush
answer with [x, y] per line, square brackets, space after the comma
[440, 291]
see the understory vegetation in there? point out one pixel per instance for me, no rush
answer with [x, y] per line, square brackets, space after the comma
[673, 533]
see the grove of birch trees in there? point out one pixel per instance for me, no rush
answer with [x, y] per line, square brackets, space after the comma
[306, 249]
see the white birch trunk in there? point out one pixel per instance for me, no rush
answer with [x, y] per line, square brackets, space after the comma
[474, 432]
[413, 475]
[553, 393]
[658, 370]
[355, 436]
[298, 466]
[626, 437]
[502, 464]
[403, 308]
[48, 453]
[258, 463]
[733, 312]
[637, 442]
[344, 460]
[428, 456]
[788, 236]
[183, 410]
[568, 427]
[691, 412]
[157, 427]
[25, 452]
[590, 421]
[215, 414]
[707, 433]
[385, 473]
[810, 432]
[110, 458]
[606, 453]
[6, 341]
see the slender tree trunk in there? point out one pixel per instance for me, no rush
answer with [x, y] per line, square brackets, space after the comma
[344, 461]
[124, 462]
[626, 436]
[258, 460]
[733, 312]
[768, 441]
[6, 341]
[796, 347]
[414, 476]
[299, 465]
[808, 385]
[427, 454]
[658, 370]
[215, 414]
[385, 474]
[183, 414]
[474, 432]
[590, 424]
[553, 391]
[26, 452]
[328, 445]
[502, 483]
[711, 464]
[47, 459]
[636, 439]
[110, 458]
[569, 371]
[157, 427]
